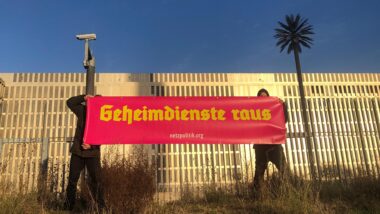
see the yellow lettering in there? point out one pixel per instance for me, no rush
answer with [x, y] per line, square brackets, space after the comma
[255, 115]
[177, 116]
[155, 114]
[184, 114]
[116, 115]
[137, 115]
[244, 114]
[235, 113]
[213, 114]
[144, 113]
[127, 114]
[106, 113]
[221, 115]
[195, 115]
[169, 113]
[205, 114]
[267, 115]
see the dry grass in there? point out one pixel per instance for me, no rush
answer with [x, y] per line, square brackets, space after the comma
[355, 197]
[128, 183]
[129, 188]
[292, 196]
[361, 195]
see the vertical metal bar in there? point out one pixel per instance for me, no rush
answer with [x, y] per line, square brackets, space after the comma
[377, 130]
[235, 171]
[199, 166]
[321, 129]
[212, 164]
[297, 151]
[229, 171]
[317, 135]
[180, 169]
[207, 161]
[303, 157]
[288, 142]
[44, 159]
[376, 118]
[224, 169]
[243, 157]
[334, 141]
[252, 161]
[192, 165]
[220, 164]
[288, 148]
[371, 127]
[243, 162]
[313, 136]
[354, 138]
[288, 151]
[45, 118]
[3, 170]
[326, 141]
[348, 137]
[169, 169]
[341, 144]
[44, 148]
[203, 165]
[359, 129]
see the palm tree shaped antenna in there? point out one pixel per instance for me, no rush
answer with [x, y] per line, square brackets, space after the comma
[292, 35]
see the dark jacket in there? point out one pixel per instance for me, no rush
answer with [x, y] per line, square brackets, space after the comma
[79, 109]
[270, 146]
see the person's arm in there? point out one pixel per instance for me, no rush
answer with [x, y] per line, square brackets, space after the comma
[75, 104]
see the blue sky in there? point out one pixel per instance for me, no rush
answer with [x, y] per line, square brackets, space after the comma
[186, 35]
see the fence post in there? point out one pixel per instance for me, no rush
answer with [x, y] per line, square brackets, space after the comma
[44, 157]
[212, 165]
[235, 170]
[42, 177]
[44, 153]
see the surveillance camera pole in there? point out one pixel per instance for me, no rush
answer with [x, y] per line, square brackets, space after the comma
[89, 65]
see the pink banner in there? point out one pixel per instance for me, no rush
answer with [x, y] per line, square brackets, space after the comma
[185, 120]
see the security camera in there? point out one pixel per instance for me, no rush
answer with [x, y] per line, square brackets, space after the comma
[91, 36]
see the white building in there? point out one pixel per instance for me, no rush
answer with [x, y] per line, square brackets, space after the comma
[344, 113]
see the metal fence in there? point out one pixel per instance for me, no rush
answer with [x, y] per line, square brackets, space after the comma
[24, 161]
[345, 144]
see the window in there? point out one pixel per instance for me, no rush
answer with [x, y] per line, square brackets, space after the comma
[152, 90]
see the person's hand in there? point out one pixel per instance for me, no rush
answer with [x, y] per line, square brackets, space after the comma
[87, 96]
[86, 146]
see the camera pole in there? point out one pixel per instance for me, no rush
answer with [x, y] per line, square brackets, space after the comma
[88, 63]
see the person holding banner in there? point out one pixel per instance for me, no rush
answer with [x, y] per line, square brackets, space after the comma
[268, 152]
[83, 156]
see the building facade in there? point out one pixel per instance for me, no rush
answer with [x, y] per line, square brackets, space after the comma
[343, 111]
